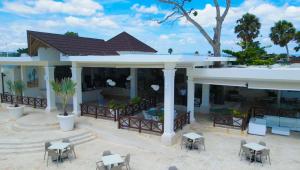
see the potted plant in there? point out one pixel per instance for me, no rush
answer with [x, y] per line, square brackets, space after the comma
[65, 89]
[237, 117]
[16, 88]
[112, 105]
[135, 100]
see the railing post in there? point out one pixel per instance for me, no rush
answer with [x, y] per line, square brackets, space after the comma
[115, 115]
[96, 110]
[140, 125]
[34, 102]
[11, 99]
[1, 95]
[119, 123]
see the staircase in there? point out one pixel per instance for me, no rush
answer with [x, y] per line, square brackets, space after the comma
[13, 147]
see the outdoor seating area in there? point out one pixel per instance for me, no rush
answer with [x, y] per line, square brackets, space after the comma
[254, 152]
[58, 151]
[193, 140]
[112, 161]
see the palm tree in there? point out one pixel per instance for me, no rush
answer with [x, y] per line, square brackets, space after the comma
[247, 28]
[65, 89]
[16, 88]
[282, 33]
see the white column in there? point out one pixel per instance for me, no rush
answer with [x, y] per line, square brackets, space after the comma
[168, 135]
[49, 76]
[23, 76]
[0, 80]
[77, 98]
[205, 106]
[278, 97]
[133, 82]
[190, 98]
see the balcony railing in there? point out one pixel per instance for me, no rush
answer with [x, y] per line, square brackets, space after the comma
[34, 102]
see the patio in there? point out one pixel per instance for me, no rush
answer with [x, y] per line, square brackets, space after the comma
[222, 148]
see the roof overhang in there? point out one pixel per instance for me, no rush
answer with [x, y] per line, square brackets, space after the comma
[29, 61]
[145, 60]
[280, 78]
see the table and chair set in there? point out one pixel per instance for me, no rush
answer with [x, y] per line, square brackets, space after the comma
[193, 140]
[59, 150]
[254, 152]
[112, 161]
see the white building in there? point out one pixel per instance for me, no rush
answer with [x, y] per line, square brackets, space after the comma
[87, 60]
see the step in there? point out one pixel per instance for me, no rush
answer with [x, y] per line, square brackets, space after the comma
[20, 127]
[36, 146]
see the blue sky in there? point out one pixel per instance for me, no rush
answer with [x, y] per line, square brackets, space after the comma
[106, 18]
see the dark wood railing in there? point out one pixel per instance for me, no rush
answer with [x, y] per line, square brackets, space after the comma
[181, 120]
[132, 109]
[97, 111]
[34, 102]
[227, 120]
[141, 124]
[129, 109]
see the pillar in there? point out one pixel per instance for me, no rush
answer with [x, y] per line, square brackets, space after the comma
[77, 98]
[169, 78]
[1, 88]
[191, 98]
[49, 76]
[278, 97]
[133, 82]
[205, 106]
[23, 77]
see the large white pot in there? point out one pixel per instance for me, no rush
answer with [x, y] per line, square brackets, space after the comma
[15, 112]
[66, 123]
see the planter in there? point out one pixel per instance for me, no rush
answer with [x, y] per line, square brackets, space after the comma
[237, 121]
[66, 123]
[15, 112]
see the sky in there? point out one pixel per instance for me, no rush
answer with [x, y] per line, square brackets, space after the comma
[104, 19]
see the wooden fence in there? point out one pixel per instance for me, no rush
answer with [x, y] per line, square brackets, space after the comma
[227, 120]
[34, 102]
[97, 111]
[141, 124]
[181, 120]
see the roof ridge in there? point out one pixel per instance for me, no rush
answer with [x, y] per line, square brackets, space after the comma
[75, 37]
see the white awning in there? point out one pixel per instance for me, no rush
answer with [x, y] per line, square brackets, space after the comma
[274, 85]
[222, 82]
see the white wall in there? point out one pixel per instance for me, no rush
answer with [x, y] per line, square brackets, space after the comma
[48, 54]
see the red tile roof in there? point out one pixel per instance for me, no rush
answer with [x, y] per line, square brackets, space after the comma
[126, 42]
[70, 45]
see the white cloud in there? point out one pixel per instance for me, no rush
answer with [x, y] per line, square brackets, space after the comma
[99, 21]
[153, 9]
[72, 7]
[167, 36]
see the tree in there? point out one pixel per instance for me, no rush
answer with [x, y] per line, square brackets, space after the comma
[252, 55]
[282, 33]
[22, 50]
[73, 34]
[247, 28]
[179, 10]
[65, 89]
[170, 51]
[297, 39]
